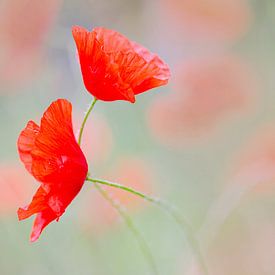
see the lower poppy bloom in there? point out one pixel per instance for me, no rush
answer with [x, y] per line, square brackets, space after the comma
[115, 68]
[51, 154]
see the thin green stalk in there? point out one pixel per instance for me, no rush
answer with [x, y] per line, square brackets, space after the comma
[167, 207]
[142, 243]
[171, 210]
[85, 120]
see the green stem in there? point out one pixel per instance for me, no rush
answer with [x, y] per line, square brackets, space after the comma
[171, 210]
[85, 120]
[142, 243]
[167, 207]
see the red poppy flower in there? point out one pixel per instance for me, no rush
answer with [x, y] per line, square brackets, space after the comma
[51, 154]
[115, 68]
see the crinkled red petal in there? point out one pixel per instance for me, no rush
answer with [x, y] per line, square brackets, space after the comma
[38, 204]
[51, 154]
[41, 221]
[115, 68]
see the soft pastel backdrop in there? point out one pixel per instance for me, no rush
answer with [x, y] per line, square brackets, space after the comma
[205, 142]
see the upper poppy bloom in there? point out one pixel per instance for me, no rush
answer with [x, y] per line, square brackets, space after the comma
[115, 68]
[51, 154]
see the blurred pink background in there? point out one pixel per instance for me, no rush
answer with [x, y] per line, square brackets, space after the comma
[205, 142]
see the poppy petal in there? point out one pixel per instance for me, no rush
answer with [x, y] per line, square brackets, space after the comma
[26, 142]
[37, 205]
[43, 150]
[41, 221]
[115, 68]
[52, 155]
[101, 78]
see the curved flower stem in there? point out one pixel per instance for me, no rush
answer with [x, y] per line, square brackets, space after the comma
[171, 210]
[142, 243]
[85, 120]
[167, 207]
